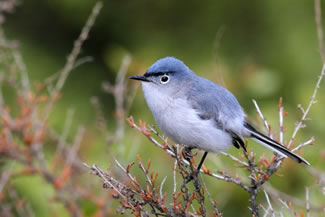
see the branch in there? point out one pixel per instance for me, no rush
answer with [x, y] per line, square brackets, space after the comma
[312, 101]
[266, 125]
[70, 64]
[169, 150]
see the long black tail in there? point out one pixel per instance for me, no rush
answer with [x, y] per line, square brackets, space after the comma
[273, 145]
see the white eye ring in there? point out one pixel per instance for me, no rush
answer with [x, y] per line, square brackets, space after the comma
[164, 79]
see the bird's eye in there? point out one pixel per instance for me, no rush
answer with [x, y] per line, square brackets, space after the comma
[164, 79]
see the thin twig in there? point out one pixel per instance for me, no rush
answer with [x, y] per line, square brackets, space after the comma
[307, 202]
[161, 188]
[269, 203]
[319, 27]
[65, 132]
[119, 96]
[320, 175]
[311, 102]
[70, 64]
[106, 180]
[266, 125]
[210, 197]
[281, 111]
[23, 71]
[275, 194]
[145, 171]
[285, 205]
[234, 159]
[174, 174]
[76, 144]
[310, 141]
[266, 211]
[124, 170]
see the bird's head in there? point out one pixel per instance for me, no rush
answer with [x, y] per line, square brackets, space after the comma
[167, 74]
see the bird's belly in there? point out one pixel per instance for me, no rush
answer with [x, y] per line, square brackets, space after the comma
[182, 124]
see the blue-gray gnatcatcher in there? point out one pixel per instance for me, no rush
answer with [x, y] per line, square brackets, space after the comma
[198, 113]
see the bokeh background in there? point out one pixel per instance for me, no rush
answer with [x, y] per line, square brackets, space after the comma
[259, 50]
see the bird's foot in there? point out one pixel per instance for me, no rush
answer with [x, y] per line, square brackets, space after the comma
[187, 152]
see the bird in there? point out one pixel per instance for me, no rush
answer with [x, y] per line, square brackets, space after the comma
[198, 113]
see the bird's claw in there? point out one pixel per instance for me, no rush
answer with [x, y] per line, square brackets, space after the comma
[187, 151]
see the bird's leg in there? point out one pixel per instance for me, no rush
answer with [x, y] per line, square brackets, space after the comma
[201, 163]
[197, 171]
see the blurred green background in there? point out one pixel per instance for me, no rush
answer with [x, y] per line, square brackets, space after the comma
[259, 50]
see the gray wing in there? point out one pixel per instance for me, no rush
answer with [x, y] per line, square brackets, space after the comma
[211, 101]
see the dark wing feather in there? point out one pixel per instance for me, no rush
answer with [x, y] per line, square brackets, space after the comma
[238, 142]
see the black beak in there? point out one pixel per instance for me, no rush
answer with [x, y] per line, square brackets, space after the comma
[139, 77]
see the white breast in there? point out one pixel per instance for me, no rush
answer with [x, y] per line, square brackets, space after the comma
[181, 123]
